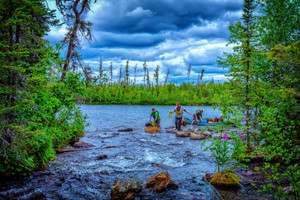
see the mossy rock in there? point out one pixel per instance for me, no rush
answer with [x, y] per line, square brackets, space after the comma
[225, 180]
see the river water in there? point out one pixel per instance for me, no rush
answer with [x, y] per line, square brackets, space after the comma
[136, 154]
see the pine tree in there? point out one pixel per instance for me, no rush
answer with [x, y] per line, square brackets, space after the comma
[101, 74]
[37, 112]
[156, 74]
[111, 72]
[120, 76]
[88, 75]
[241, 62]
[188, 74]
[72, 11]
[127, 73]
[135, 68]
[167, 76]
[148, 79]
[145, 72]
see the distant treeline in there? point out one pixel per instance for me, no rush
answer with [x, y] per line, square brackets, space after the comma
[103, 90]
[167, 94]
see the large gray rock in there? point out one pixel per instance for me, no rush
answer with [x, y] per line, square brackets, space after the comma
[126, 189]
[83, 145]
[194, 136]
[184, 133]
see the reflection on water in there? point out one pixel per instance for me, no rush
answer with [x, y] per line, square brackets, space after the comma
[81, 175]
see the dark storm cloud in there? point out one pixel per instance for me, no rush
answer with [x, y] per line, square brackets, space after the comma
[155, 16]
[169, 33]
[105, 39]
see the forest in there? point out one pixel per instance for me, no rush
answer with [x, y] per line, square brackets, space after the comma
[169, 94]
[39, 88]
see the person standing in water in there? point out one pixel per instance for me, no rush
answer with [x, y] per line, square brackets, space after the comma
[178, 117]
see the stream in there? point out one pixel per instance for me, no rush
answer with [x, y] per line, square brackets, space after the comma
[137, 154]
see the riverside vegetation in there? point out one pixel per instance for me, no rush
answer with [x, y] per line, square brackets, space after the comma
[39, 89]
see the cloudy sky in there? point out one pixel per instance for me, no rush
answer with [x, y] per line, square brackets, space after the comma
[168, 33]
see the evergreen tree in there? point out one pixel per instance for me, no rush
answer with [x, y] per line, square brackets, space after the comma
[135, 67]
[189, 73]
[88, 75]
[101, 72]
[156, 74]
[278, 75]
[120, 76]
[148, 79]
[167, 76]
[243, 35]
[37, 112]
[145, 72]
[72, 11]
[127, 73]
[111, 72]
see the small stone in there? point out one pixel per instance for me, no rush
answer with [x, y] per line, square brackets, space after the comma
[250, 173]
[101, 157]
[125, 130]
[287, 189]
[105, 172]
[207, 177]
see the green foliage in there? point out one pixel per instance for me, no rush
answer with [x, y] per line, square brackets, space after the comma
[37, 111]
[266, 61]
[166, 94]
[227, 151]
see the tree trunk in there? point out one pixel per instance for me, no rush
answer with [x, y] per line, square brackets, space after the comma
[72, 38]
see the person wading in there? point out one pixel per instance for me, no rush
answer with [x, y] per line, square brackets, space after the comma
[198, 116]
[155, 116]
[178, 117]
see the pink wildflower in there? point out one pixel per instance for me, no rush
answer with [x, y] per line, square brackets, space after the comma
[241, 137]
[225, 136]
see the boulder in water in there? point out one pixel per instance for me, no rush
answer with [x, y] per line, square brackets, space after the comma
[207, 177]
[126, 189]
[83, 145]
[101, 157]
[207, 134]
[225, 180]
[184, 133]
[194, 136]
[171, 130]
[160, 182]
